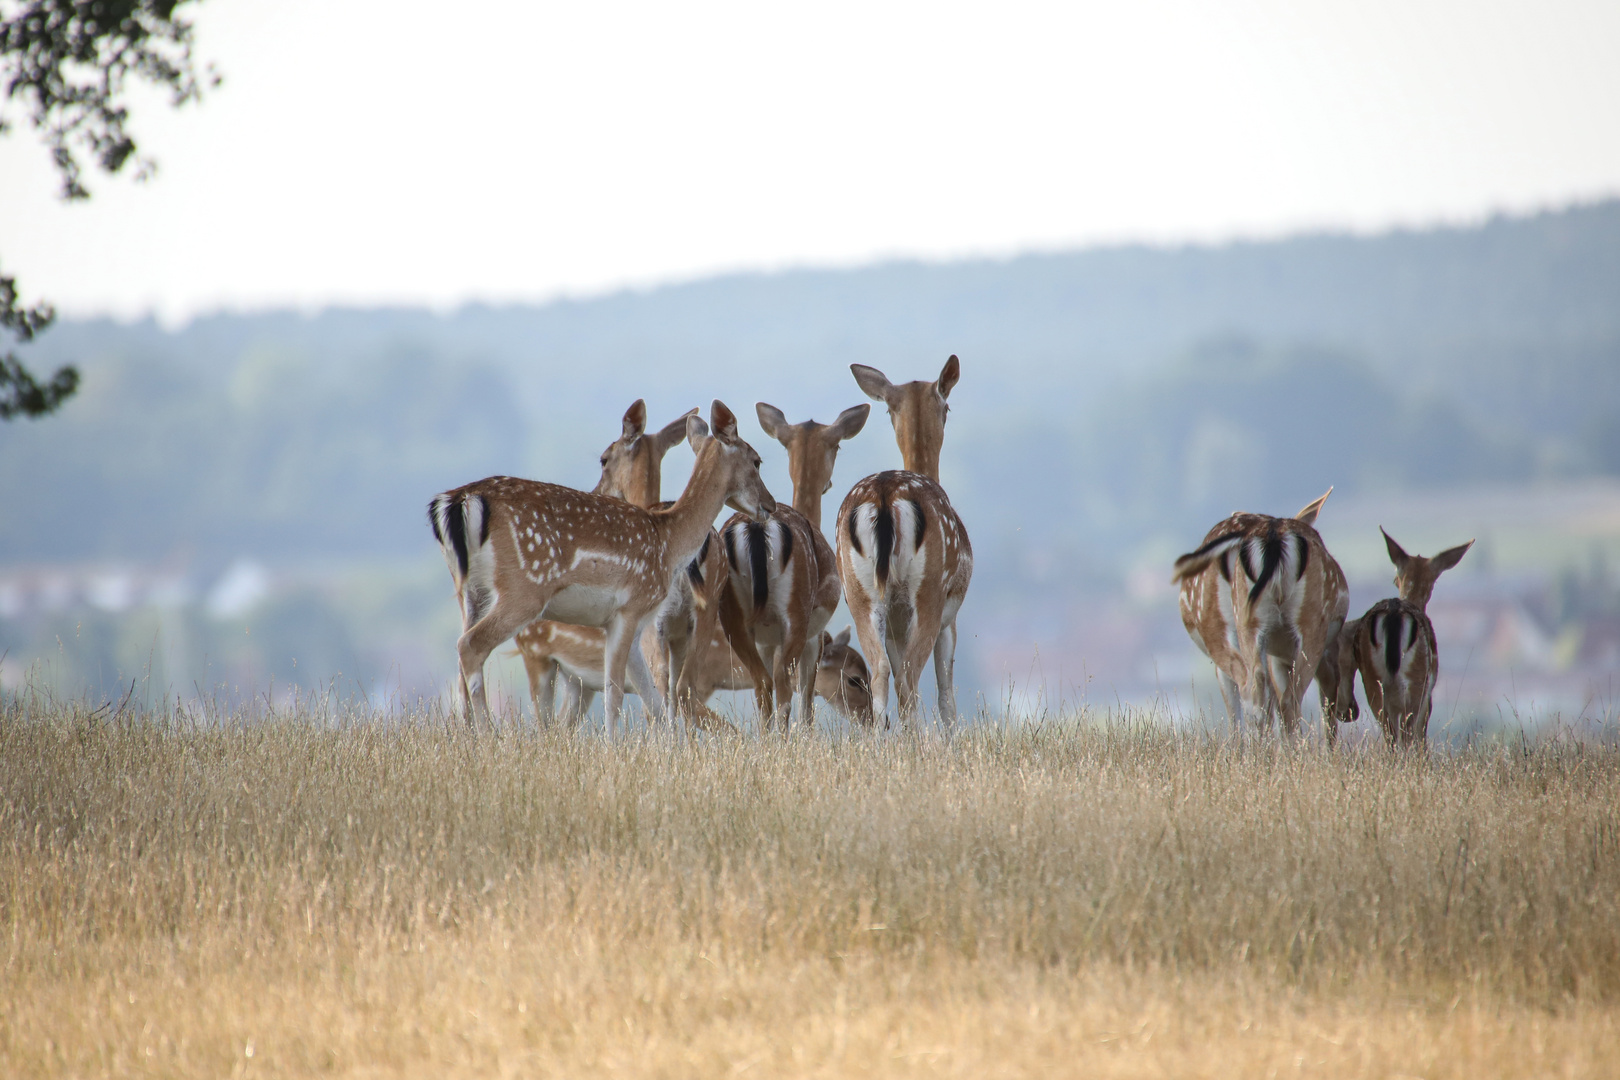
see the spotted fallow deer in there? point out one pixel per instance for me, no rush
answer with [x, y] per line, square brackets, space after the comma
[903, 553]
[1263, 599]
[784, 576]
[519, 550]
[1395, 647]
[632, 470]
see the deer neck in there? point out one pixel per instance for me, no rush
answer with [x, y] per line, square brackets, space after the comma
[645, 489]
[921, 455]
[1417, 593]
[807, 504]
[686, 524]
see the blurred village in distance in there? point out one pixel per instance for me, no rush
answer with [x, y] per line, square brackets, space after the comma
[1529, 625]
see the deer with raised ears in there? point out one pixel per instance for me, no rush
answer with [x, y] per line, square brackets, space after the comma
[1263, 599]
[1396, 650]
[519, 550]
[633, 464]
[783, 574]
[903, 553]
[632, 469]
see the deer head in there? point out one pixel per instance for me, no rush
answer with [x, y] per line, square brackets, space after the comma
[842, 678]
[917, 410]
[727, 462]
[812, 450]
[1415, 575]
[632, 465]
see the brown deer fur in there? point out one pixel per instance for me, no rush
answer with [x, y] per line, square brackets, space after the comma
[519, 550]
[1263, 599]
[632, 470]
[1396, 651]
[783, 574]
[903, 553]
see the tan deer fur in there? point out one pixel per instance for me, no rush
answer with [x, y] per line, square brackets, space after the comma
[903, 553]
[519, 550]
[784, 575]
[1263, 599]
[1396, 650]
[632, 470]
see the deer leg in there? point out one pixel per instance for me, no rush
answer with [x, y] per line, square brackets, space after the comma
[497, 625]
[735, 626]
[781, 689]
[871, 628]
[945, 674]
[1233, 698]
[915, 653]
[641, 680]
[809, 656]
[676, 656]
[616, 658]
[542, 687]
[894, 659]
[576, 700]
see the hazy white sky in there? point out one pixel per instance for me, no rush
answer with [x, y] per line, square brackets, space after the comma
[366, 151]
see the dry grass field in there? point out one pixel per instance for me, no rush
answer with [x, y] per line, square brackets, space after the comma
[309, 895]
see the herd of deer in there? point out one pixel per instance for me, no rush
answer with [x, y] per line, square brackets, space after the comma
[614, 588]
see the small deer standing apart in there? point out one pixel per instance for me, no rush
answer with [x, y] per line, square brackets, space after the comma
[519, 550]
[1263, 599]
[903, 553]
[784, 576]
[1395, 648]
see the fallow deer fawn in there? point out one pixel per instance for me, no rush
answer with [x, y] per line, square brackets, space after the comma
[1395, 647]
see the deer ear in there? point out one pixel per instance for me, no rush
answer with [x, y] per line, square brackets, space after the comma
[948, 376]
[1312, 508]
[850, 421]
[826, 640]
[873, 383]
[1449, 557]
[697, 432]
[771, 420]
[673, 432]
[1397, 554]
[723, 420]
[635, 420]
[843, 636]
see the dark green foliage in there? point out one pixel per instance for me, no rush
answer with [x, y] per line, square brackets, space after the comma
[68, 62]
[20, 393]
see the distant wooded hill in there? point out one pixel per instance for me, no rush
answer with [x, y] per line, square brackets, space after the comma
[1109, 397]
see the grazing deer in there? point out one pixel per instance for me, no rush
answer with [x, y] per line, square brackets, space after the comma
[783, 573]
[842, 678]
[1263, 599]
[519, 550]
[1396, 650]
[903, 553]
[632, 470]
